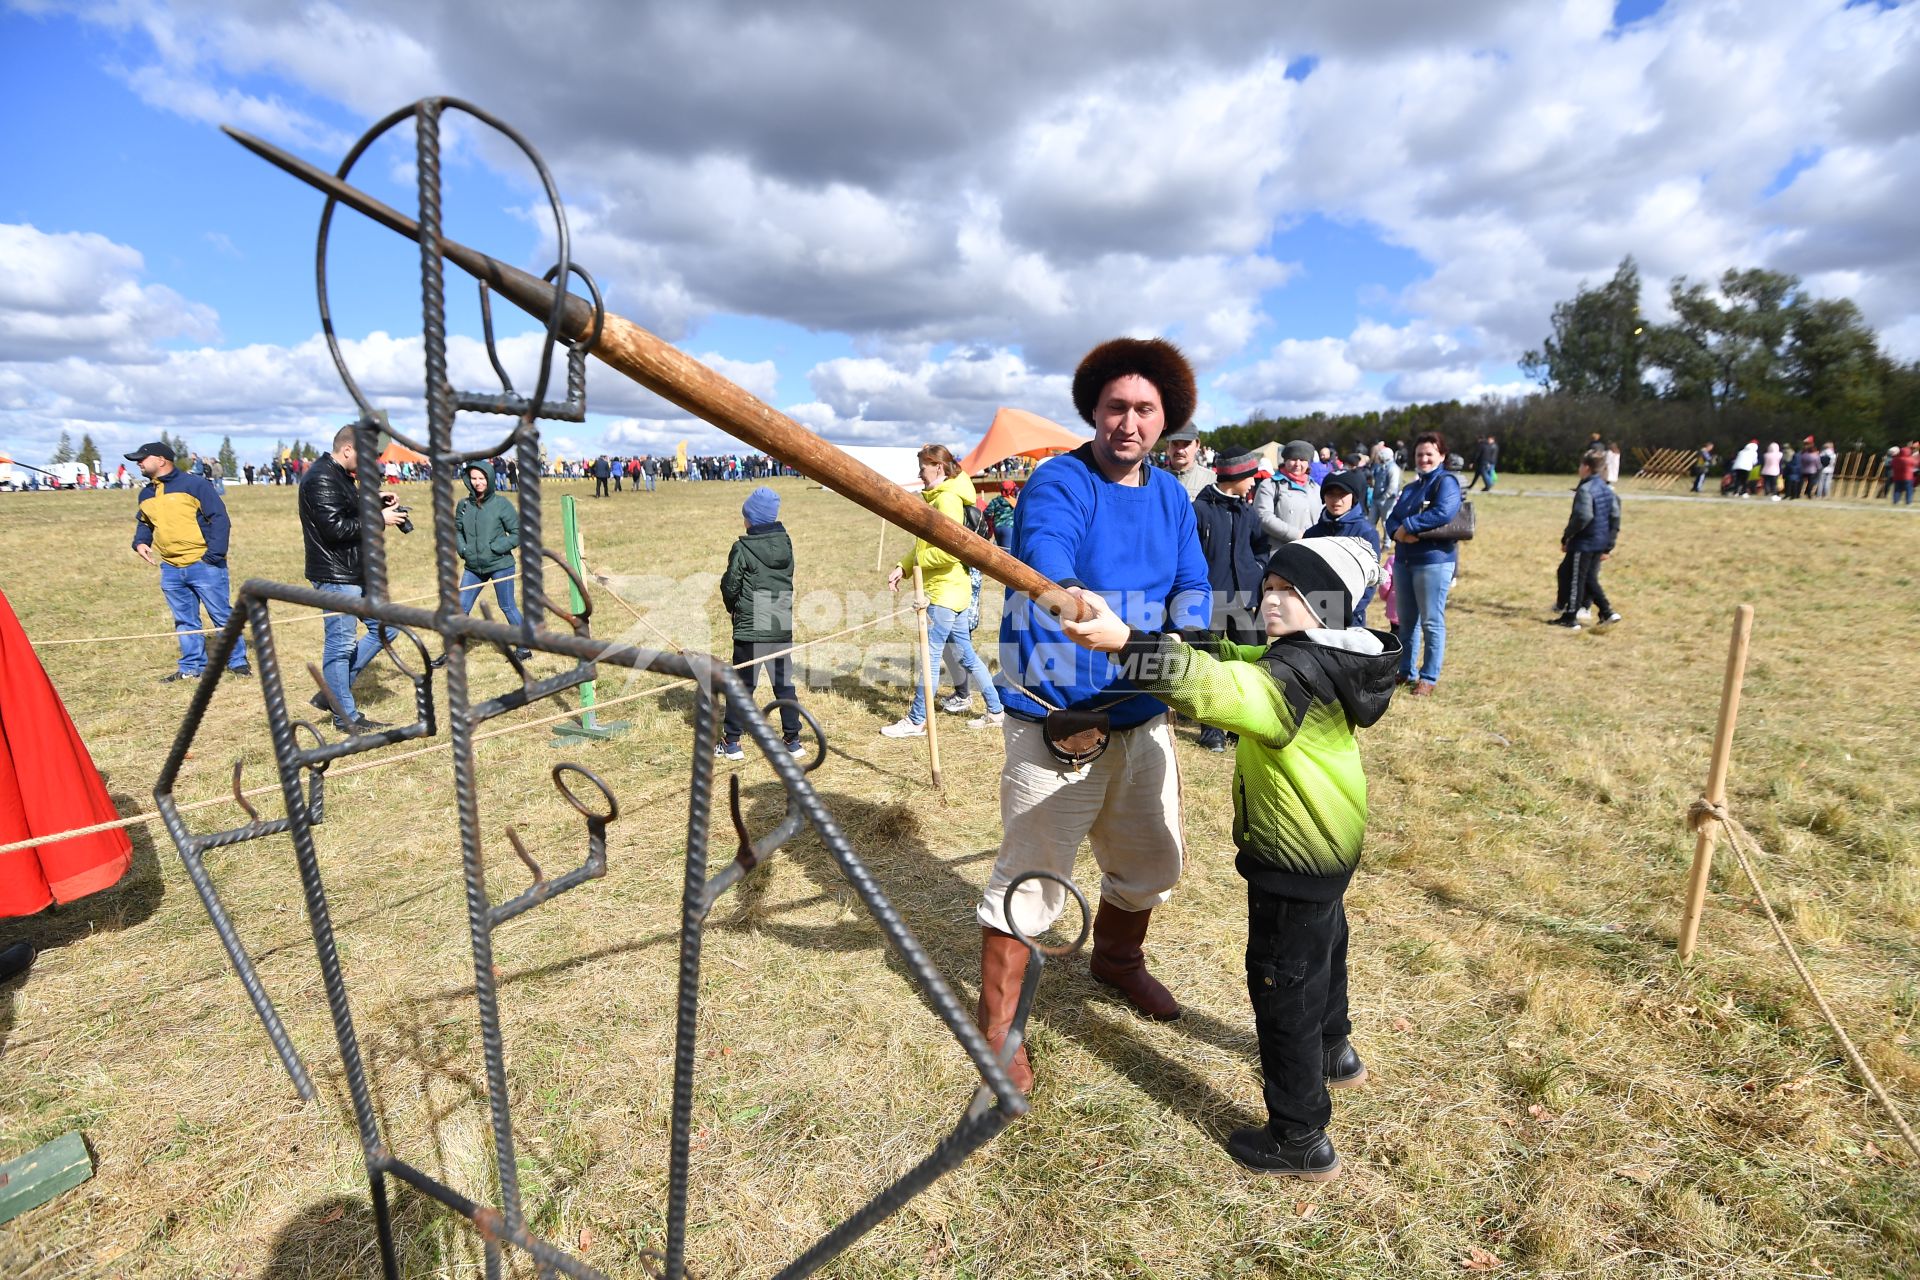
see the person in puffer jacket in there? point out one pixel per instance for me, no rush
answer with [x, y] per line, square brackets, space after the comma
[1589, 538]
[1343, 515]
[1299, 814]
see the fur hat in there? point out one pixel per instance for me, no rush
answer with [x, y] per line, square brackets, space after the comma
[1155, 359]
[1329, 573]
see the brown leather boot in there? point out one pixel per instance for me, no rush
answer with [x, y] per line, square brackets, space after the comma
[1003, 965]
[1117, 961]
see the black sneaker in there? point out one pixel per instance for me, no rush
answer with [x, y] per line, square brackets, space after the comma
[360, 724]
[1609, 620]
[794, 746]
[1565, 622]
[16, 960]
[178, 676]
[319, 702]
[523, 653]
[1212, 739]
[1311, 1157]
[1342, 1066]
[244, 671]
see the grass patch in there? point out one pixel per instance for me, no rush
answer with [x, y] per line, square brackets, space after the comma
[1547, 1085]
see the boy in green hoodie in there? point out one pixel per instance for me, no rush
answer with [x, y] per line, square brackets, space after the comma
[1299, 813]
[757, 589]
[486, 532]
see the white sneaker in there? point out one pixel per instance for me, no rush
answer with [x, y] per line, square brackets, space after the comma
[956, 705]
[991, 720]
[729, 751]
[1583, 615]
[904, 729]
[1610, 619]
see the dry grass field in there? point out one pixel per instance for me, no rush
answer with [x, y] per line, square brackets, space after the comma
[1548, 1087]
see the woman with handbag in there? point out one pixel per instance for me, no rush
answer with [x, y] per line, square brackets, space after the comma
[1425, 525]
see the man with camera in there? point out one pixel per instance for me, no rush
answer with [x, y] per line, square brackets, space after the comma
[330, 528]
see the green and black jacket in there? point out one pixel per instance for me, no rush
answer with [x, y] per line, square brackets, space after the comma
[1299, 790]
[757, 587]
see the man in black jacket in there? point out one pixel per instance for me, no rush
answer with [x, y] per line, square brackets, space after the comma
[330, 528]
[1235, 547]
[601, 470]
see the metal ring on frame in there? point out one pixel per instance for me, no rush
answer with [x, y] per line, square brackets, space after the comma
[1057, 951]
[560, 785]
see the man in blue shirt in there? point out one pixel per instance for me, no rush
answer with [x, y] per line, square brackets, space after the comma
[1102, 518]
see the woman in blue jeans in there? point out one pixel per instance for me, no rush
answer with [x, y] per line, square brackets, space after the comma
[949, 594]
[1423, 570]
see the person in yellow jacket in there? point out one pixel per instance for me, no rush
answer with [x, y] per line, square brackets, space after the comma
[949, 593]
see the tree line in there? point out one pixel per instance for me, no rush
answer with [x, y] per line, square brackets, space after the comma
[1754, 356]
[229, 459]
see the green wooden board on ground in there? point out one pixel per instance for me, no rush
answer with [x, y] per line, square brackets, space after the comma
[43, 1173]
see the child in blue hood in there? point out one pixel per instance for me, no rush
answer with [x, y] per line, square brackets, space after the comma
[1344, 516]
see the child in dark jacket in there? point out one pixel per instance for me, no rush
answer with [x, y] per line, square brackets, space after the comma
[1299, 813]
[757, 590]
[1593, 529]
[1235, 549]
[1344, 515]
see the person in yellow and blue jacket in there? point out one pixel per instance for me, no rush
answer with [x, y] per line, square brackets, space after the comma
[182, 527]
[1299, 813]
[950, 491]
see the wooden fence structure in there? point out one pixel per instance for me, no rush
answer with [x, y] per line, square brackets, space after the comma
[1860, 476]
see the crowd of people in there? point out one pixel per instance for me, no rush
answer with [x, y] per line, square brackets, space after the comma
[1787, 473]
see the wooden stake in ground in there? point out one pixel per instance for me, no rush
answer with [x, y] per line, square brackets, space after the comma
[928, 660]
[1716, 778]
[880, 552]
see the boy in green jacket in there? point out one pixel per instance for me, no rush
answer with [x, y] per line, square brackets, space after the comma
[486, 531]
[1299, 813]
[757, 590]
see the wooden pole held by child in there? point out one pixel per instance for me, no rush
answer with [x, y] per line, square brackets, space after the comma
[1716, 779]
[928, 661]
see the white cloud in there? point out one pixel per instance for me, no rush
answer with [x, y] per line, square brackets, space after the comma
[79, 294]
[1297, 371]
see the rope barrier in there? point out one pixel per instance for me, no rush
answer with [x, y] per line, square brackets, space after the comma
[210, 631]
[1702, 811]
[144, 818]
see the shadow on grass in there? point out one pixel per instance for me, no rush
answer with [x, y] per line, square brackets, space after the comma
[336, 1238]
[127, 904]
[937, 901]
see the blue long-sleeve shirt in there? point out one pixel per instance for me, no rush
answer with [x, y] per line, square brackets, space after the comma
[1413, 514]
[1134, 544]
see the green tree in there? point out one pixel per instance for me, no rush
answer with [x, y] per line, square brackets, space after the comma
[229, 464]
[89, 453]
[1598, 342]
[1833, 363]
[63, 452]
[1728, 347]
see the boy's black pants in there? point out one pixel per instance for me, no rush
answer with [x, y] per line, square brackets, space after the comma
[779, 672]
[1297, 980]
[1583, 585]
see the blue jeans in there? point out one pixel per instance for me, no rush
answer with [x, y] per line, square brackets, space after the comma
[186, 589]
[1421, 590]
[944, 630]
[471, 582]
[341, 660]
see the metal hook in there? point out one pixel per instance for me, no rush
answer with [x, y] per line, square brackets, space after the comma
[253, 815]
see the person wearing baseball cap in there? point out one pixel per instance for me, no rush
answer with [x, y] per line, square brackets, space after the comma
[1183, 459]
[1088, 756]
[1300, 814]
[180, 525]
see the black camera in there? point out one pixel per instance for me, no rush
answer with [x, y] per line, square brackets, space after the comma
[392, 500]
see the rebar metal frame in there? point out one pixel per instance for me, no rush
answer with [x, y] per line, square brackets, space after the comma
[302, 753]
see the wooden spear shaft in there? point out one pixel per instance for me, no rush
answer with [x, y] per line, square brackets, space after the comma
[1709, 830]
[674, 375]
[929, 662]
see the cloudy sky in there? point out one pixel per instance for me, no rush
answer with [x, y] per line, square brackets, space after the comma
[887, 219]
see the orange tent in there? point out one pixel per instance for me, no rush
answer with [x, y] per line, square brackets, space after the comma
[1015, 433]
[397, 452]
